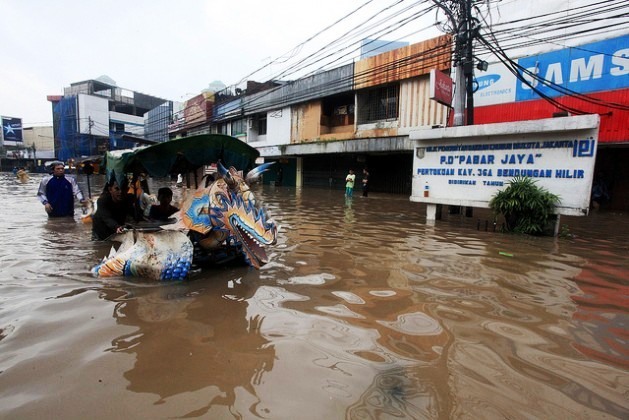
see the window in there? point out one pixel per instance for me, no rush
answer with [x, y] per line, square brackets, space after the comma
[262, 125]
[378, 104]
[116, 127]
[338, 110]
[238, 127]
[220, 128]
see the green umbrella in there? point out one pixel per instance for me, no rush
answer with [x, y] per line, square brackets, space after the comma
[181, 156]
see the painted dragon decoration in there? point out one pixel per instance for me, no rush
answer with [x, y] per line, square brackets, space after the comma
[217, 223]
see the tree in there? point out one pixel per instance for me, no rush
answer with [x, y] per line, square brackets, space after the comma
[526, 207]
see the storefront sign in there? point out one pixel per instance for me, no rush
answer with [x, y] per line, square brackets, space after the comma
[467, 165]
[441, 87]
[593, 67]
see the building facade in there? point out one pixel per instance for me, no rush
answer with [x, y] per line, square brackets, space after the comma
[355, 116]
[360, 115]
[94, 116]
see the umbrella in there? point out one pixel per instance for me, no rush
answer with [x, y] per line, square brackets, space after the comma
[181, 156]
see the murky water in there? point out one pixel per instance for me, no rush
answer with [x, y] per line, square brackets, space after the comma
[364, 312]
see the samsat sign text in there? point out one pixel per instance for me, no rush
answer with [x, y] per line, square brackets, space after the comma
[594, 67]
[466, 166]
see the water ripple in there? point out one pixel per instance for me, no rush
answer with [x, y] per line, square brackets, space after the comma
[365, 311]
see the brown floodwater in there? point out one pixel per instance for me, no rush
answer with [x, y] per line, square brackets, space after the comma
[365, 311]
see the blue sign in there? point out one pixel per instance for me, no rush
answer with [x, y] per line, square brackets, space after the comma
[595, 67]
[487, 81]
[12, 129]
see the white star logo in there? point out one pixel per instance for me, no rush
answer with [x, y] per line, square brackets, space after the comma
[9, 129]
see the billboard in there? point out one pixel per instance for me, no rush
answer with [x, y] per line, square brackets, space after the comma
[496, 86]
[198, 109]
[467, 166]
[593, 67]
[11, 129]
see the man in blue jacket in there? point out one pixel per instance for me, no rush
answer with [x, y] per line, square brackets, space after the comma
[56, 192]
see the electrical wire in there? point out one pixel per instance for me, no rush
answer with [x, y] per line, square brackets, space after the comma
[549, 28]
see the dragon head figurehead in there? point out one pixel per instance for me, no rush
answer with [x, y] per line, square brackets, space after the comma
[226, 212]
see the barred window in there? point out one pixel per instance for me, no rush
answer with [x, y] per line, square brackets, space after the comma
[378, 104]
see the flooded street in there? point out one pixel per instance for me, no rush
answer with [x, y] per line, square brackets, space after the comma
[363, 312]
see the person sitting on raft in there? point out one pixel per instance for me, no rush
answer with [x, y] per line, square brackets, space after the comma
[164, 209]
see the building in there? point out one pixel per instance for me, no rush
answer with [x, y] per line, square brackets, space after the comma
[93, 116]
[358, 115]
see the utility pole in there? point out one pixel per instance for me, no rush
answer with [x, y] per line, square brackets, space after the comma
[468, 65]
[90, 124]
[463, 29]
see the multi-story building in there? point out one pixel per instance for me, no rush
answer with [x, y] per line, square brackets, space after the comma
[93, 116]
[360, 115]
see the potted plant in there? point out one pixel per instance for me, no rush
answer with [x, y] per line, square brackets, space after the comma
[526, 207]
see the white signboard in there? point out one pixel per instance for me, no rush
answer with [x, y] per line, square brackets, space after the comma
[495, 86]
[467, 166]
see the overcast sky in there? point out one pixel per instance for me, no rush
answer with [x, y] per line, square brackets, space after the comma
[175, 49]
[164, 48]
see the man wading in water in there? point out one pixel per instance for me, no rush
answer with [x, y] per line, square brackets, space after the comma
[56, 192]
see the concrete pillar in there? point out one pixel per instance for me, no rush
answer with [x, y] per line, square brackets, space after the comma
[299, 179]
[557, 224]
[431, 212]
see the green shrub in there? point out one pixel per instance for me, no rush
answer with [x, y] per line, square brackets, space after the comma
[526, 207]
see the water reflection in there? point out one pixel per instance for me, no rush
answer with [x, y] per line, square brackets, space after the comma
[349, 212]
[601, 313]
[198, 337]
[345, 340]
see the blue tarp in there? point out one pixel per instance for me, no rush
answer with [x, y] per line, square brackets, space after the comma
[72, 144]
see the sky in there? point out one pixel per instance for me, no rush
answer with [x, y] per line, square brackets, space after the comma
[176, 49]
[172, 50]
